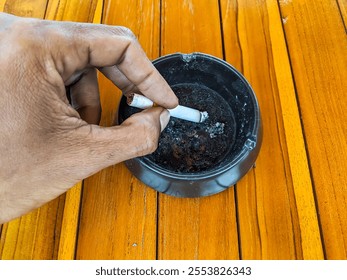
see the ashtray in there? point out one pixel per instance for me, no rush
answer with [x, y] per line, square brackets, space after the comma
[201, 159]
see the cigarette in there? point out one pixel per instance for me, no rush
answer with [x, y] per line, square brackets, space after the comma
[180, 112]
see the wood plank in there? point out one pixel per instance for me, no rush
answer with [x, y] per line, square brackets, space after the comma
[118, 216]
[71, 10]
[2, 5]
[98, 11]
[25, 8]
[37, 235]
[277, 214]
[201, 228]
[304, 203]
[317, 44]
[342, 4]
[69, 224]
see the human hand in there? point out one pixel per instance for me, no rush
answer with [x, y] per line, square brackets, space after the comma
[48, 145]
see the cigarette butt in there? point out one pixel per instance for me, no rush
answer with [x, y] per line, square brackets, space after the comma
[188, 114]
[180, 112]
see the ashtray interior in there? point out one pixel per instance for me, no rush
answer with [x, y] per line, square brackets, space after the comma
[187, 147]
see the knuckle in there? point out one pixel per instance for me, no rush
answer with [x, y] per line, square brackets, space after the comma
[26, 35]
[152, 145]
[127, 32]
[28, 28]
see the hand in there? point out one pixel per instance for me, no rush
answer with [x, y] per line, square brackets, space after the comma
[48, 145]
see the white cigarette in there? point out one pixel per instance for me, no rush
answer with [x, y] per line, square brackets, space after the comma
[180, 112]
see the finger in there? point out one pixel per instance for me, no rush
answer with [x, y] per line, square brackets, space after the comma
[119, 79]
[85, 97]
[85, 45]
[164, 119]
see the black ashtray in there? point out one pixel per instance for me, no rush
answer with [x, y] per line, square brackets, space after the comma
[201, 159]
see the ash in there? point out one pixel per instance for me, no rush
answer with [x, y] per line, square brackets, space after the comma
[216, 129]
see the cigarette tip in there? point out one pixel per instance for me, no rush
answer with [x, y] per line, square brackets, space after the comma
[130, 98]
[203, 116]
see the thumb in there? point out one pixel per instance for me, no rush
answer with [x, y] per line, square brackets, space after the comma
[90, 148]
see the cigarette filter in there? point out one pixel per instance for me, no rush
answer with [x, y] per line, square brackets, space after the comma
[180, 112]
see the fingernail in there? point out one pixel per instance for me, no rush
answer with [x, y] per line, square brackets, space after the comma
[164, 119]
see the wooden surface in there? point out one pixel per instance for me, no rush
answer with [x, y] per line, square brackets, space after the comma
[292, 205]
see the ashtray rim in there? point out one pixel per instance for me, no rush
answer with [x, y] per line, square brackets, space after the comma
[240, 154]
[207, 182]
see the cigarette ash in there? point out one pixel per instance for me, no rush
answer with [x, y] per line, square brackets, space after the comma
[216, 129]
[187, 147]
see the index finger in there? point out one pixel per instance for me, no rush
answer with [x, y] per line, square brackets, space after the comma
[103, 46]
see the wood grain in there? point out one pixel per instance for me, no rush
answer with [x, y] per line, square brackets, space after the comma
[276, 198]
[342, 5]
[317, 44]
[2, 5]
[69, 224]
[37, 235]
[71, 10]
[118, 218]
[202, 228]
[23, 8]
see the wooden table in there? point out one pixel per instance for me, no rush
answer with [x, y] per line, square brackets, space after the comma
[293, 205]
